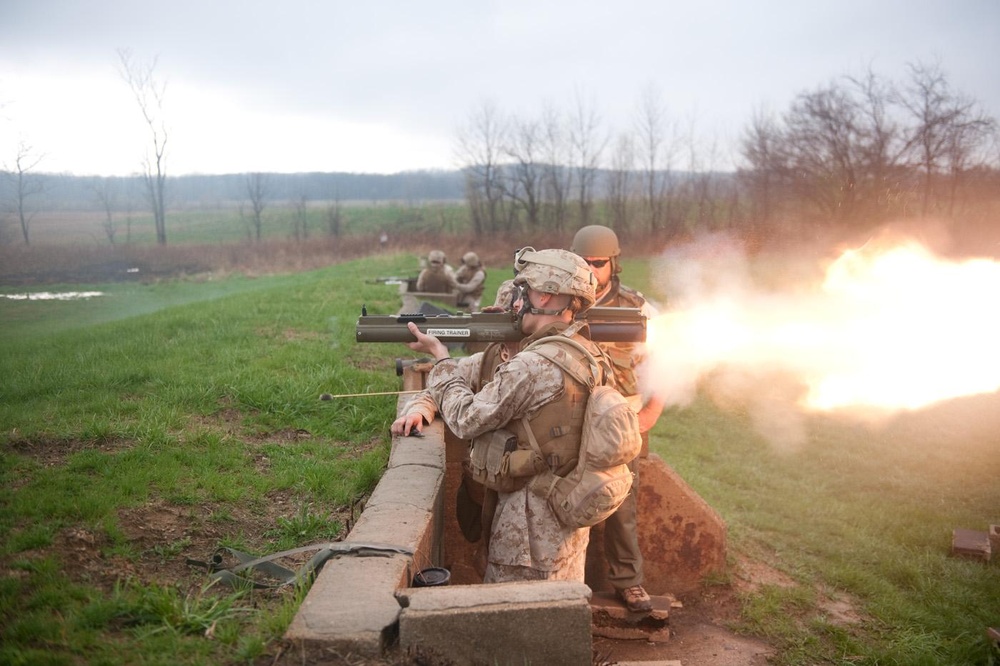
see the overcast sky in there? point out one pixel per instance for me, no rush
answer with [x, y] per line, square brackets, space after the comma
[385, 85]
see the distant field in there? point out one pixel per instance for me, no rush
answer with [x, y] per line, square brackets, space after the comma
[226, 224]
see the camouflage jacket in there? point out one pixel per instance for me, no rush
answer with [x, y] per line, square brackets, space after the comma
[525, 532]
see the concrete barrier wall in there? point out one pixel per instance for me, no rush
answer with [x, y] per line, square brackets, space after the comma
[351, 608]
[364, 606]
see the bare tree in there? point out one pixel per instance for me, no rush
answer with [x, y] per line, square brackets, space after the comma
[24, 185]
[587, 145]
[479, 150]
[557, 178]
[968, 150]
[620, 183]
[149, 94]
[300, 219]
[107, 190]
[837, 149]
[335, 217]
[948, 126]
[882, 144]
[761, 149]
[525, 177]
[257, 189]
[656, 151]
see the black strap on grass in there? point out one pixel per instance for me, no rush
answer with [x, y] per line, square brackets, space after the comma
[235, 576]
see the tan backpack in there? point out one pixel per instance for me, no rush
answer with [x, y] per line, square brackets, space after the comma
[610, 439]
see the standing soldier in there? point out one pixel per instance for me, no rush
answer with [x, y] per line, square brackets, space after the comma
[598, 245]
[479, 395]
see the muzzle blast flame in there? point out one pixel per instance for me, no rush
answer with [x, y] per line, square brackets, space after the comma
[888, 329]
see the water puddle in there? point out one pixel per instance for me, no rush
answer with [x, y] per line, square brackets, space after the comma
[53, 296]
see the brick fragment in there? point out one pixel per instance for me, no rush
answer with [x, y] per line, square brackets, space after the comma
[970, 544]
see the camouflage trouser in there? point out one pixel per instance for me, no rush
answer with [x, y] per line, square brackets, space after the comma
[503, 573]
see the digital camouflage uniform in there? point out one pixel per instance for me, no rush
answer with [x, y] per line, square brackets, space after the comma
[526, 542]
[621, 541]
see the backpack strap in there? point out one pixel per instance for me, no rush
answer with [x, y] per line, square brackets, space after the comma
[588, 376]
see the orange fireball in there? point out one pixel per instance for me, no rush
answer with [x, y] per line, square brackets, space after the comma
[889, 328]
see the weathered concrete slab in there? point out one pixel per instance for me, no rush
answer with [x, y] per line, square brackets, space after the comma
[351, 607]
[416, 485]
[509, 623]
[425, 451]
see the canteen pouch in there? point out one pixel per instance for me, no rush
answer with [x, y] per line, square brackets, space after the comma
[496, 462]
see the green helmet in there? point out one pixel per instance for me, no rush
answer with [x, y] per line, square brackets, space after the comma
[556, 272]
[595, 240]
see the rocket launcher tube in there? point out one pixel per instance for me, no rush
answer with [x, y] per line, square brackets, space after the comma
[606, 325]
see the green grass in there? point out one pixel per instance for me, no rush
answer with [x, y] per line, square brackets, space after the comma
[200, 400]
[862, 513]
[199, 396]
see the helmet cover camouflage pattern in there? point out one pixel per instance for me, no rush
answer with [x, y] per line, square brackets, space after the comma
[556, 272]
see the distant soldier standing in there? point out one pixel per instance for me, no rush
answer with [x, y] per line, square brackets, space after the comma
[598, 245]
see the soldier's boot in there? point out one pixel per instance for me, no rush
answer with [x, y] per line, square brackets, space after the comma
[636, 599]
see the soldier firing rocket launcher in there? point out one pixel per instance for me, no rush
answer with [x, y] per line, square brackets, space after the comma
[606, 325]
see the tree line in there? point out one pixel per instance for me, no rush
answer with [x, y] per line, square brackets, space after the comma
[855, 152]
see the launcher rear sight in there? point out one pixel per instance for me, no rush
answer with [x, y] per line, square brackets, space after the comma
[606, 325]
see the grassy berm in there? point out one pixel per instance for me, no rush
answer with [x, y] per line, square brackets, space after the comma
[158, 422]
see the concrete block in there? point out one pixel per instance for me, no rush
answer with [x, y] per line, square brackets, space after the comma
[499, 624]
[416, 485]
[426, 451]
[351, 608]
[970, 544]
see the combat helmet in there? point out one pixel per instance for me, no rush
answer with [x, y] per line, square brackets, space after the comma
[436, 257]
[556, 272]
[595, 240]
[471, 259]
